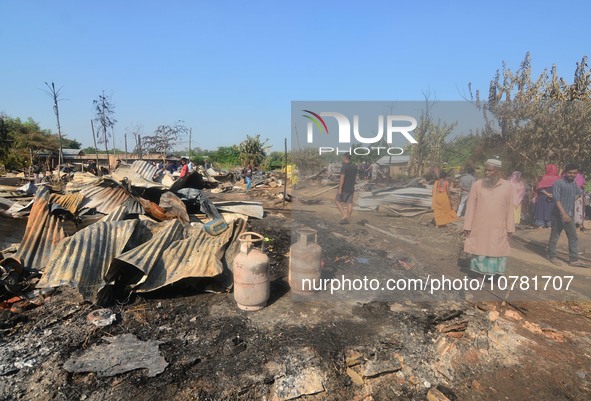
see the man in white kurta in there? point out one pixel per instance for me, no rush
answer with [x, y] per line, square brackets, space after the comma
[489, 221]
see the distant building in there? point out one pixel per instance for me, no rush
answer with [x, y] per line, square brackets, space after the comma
[395, 165]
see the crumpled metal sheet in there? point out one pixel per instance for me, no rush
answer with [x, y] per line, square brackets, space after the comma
[69, 201]
[117, 215]
[43, 233]
[106, 196]
[127, 173]
[136, 264]
[199, 255]
[131, 206]
[144, 168]
[83, 259]
[81, 180]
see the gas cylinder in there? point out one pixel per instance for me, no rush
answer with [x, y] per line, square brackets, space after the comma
[252, 285]
[304, 262]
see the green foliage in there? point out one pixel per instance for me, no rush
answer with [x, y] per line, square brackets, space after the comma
[253, 151]
[90, 150]
[226, 156]
[274, 161]
[465, 151]
[70, 144]
[24, 140]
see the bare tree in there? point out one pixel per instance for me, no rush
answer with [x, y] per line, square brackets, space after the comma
[539, 120]
[54, 94]
[136, 130]
[430, 138]
[105, 110]
[165, 138]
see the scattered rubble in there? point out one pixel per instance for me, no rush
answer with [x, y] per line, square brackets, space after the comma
[164, 341]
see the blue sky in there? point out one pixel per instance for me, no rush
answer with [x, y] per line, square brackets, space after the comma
[232, 68]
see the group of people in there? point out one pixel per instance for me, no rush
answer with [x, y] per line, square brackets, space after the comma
[490, 217]
[367, 171]
[544, 203]
[491, 207]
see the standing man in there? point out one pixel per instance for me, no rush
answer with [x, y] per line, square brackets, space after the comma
[489, 221]
[565, 192]
[344, 198]
[465, 186]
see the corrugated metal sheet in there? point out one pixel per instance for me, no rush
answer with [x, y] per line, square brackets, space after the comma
[105, 197]
[416, 197]
[131, 206]
[116, 215]
[83, 259]
[134, 207]
[143, 258]
[199, 255]
[92, 258]
[69, 201]
[135, 179]
[81, 180]
[43, 233]
[144, 168]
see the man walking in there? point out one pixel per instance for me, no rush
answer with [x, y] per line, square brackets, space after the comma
[489, 221]
[344, 198]
[565, 192]
[465, 186]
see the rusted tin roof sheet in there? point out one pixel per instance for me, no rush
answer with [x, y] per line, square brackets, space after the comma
[136, 264]
[42, 234]
[70, 201]
[105, 197]
[198, 255]
[83, 259]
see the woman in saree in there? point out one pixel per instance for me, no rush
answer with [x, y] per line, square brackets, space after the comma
[544, 199]
[441, 204]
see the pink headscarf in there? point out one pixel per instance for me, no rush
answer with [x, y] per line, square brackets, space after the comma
[518, 187]
[580, 180]
[549, 178]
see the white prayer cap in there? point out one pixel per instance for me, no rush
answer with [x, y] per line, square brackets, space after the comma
[494, 162]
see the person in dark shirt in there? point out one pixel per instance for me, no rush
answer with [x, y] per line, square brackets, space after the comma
[344, 198]
[565, 192]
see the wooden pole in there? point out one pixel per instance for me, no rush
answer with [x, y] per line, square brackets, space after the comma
[125, 138]
[114, 148]
[190, 135]
[98, 168]
[285, 180]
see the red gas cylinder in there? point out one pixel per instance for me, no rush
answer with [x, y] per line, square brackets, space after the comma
[304, 262]
[252, 286]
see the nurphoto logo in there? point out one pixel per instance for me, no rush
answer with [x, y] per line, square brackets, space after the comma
[390, 125]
